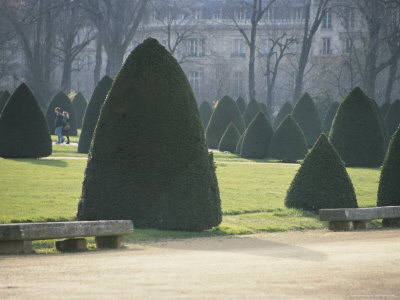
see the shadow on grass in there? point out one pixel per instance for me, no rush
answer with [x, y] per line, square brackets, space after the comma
[43, 162]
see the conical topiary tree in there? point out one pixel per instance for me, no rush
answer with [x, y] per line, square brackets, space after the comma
[257, 138]
[225, 112]
[62, 101]
[92, 113]
[322, 181]
[392, 119]
[288, 143]
[306, 115]
[264, 109]
[23, 128]
[251, 110]
[239, 143]
[229, 139]
[149, 161]
[80, 103]
[241, 104]
[384, 108]
[205, 111]
[283, 112]
[356, 131]
[330, 115]
[3, 99]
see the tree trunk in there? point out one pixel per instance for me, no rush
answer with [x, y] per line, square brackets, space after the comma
[99, 59]
[115, 57]
[66, 75]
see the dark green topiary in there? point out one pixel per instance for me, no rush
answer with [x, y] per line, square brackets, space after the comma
[306, 115]
[3, 99]
[239, 143]
[251, 110]
[241, 104]
[257, 138]
[322, 181]
[149, 161]
[384, 108]
[288, 143]
[283, 112]
[62, 101]
[392, 119]
[205, 111]
[357, 133]
[80, 103]
[92, 113]
[23, 128]
[330, 115]
[389, 183]
[229, 139]
[225, 112]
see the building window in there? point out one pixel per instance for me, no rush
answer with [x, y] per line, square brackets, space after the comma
[297, 14]
[240, 14]
[194, 79]
[196, 47]
[238, 84]
[238, 48]
[217, 16]
[265, 46]
[347, 45]
[197, 14]
[327, 20]
[269, 14]
[350, 18]
[326, 46]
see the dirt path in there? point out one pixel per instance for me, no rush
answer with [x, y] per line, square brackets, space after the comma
[294, 265]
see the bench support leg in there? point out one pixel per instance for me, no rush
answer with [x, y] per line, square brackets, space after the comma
[15, 247]
[71, 245]
[341, 225]
[360, 224]
[391, 222]
[113, 241]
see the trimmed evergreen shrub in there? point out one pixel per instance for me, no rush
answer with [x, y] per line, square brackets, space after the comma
[264, 109]
[3, 99]
[382, 125]
[23, 128]
[239, 143]
[330, 115]
[149, 161]
[384, 108]
[283, 112]
[205, 111]
[389, 187]
[241, 104]
[288, 143]
[80, 103]
[257, 138]
[357, 132]
[321, 181]
[92, 113]
[392, 119]
[225, 112]
[251, 110]
[229, 139]
[64, 103]
[306, 115]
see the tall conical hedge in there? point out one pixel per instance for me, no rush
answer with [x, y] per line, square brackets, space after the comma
[288, 143]
[62, 101]
[257, 138]
[229, 139]
[241, 104]
[251, 110]
[92, 113]
[23, 128]
[356, 131]
[322, 181]
[384, 108]
[306, 115]
[80, 103]
[225, 112]
[392, 119]
[239, 144]
[330, 115]
[149, 161]
[389, 183]
[205, 111]
[3, 99]
[264, 109]
[283, 112]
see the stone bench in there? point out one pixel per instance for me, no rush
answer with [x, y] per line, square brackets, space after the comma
[18, 237]
[358, 218]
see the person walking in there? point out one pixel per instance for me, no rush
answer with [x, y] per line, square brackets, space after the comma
[67, 126]
[59, 124]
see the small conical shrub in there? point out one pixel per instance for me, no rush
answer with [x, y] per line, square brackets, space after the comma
[80, 103]
[251, 110]
[356, 131]
[257, 138]
[321, 181]
[330, 115]
[241, 104]
[306, 115]
[392, 119]
[229, 139]
[384, 108]
[148, 161]
[288, 143]
[225, 112]
[205, 111]
[264, 109]
[23, 128]
[64, 103]
[3, 99]
[389, 183]
[92, 113]
[283, 112]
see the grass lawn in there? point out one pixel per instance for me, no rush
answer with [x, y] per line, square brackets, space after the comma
[252, 193]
